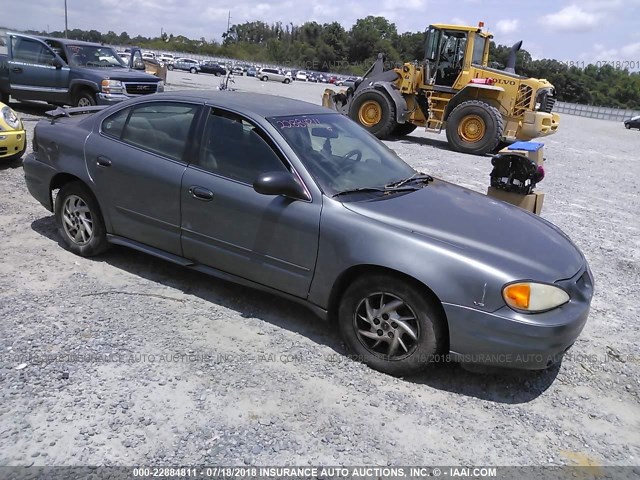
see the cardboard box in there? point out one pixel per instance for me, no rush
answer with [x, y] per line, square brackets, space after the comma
[531, 203]
[532, 150]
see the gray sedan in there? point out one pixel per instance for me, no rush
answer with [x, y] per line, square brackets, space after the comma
[292, 198]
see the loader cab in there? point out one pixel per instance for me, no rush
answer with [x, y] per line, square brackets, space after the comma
[449, 50]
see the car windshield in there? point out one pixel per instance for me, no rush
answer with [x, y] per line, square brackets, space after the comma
[93, 56]
[341, 155]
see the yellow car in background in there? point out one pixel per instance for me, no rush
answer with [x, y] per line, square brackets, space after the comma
[13, 138]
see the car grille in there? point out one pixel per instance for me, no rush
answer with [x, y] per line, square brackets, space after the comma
[141, 88]
[3, 150]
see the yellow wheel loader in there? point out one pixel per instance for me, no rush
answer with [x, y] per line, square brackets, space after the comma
[480, 108]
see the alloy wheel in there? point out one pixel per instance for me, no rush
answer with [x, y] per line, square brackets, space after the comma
[386, 326]
[77, 220]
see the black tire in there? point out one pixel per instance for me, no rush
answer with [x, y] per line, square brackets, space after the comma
[287, 81]
[380, 120]
[4, 98]
[627, 126]
[402, 129]
[170, 67]
[479, 112]
[87, 245]
[217, 74]
[265, 78]
[427, 326]
[193, 70]
[84, 98]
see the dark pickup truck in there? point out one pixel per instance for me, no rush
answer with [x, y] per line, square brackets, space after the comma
[70, 72]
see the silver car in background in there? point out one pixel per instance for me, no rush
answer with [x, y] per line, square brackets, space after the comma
[274, 75]
[187, 64]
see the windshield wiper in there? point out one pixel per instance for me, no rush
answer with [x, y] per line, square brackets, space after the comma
[421, 177]
[386, 190]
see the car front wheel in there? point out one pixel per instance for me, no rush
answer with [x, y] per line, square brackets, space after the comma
[390, 324]
[286, 80]
[84, 98]
[79, 220]
[193, 70]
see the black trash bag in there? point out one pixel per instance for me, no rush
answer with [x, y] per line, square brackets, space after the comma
[515, 173]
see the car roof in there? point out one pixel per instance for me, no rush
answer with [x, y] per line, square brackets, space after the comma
[258, 104]
[63, 41]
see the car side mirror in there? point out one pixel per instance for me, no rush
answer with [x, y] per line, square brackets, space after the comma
[280, 183]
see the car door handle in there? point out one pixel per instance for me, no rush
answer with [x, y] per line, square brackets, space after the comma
[16, 70]
[201, 193]
[103, 161]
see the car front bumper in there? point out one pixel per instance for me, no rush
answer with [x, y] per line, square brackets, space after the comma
[506, 338]
[12, 142]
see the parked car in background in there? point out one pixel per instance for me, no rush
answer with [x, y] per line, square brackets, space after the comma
[188, 64]
[252, 72]
[165, 58]
[148, 55]
[13, 138]
[348, 80]
[274, 75]
[633, 122]
[280, 195]
[209, 66]
[301, 76]
[332, 79]
[70, 72]
[125, 56]
[237, 70]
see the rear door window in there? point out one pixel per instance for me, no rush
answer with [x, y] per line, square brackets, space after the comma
[162, 128]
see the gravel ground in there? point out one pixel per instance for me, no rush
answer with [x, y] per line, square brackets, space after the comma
[162, 365]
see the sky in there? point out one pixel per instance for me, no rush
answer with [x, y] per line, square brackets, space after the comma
[577, 31]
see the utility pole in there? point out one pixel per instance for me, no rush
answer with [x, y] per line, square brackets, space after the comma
[66, 25]
[228, 21]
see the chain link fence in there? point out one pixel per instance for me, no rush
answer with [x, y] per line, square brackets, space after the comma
[590, 111]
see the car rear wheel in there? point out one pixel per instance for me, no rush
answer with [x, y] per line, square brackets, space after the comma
[390, 324]
[474, 127]
[627, 125]
[169, 67]
[193, 70]
[265, 78]
[286, 80]
[84, 98]
[79, 220]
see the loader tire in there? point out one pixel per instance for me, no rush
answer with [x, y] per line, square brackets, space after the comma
[402, 129]
[375, 111]
[474, 127]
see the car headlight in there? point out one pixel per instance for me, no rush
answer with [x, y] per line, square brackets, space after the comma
[112, 86]
[10, 118]
[160, 86]
[534, 297]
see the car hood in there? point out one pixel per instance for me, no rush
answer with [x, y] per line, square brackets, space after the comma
[484, 229]
[123, 74]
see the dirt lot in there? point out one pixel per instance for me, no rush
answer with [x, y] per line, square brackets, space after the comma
[162, 365]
